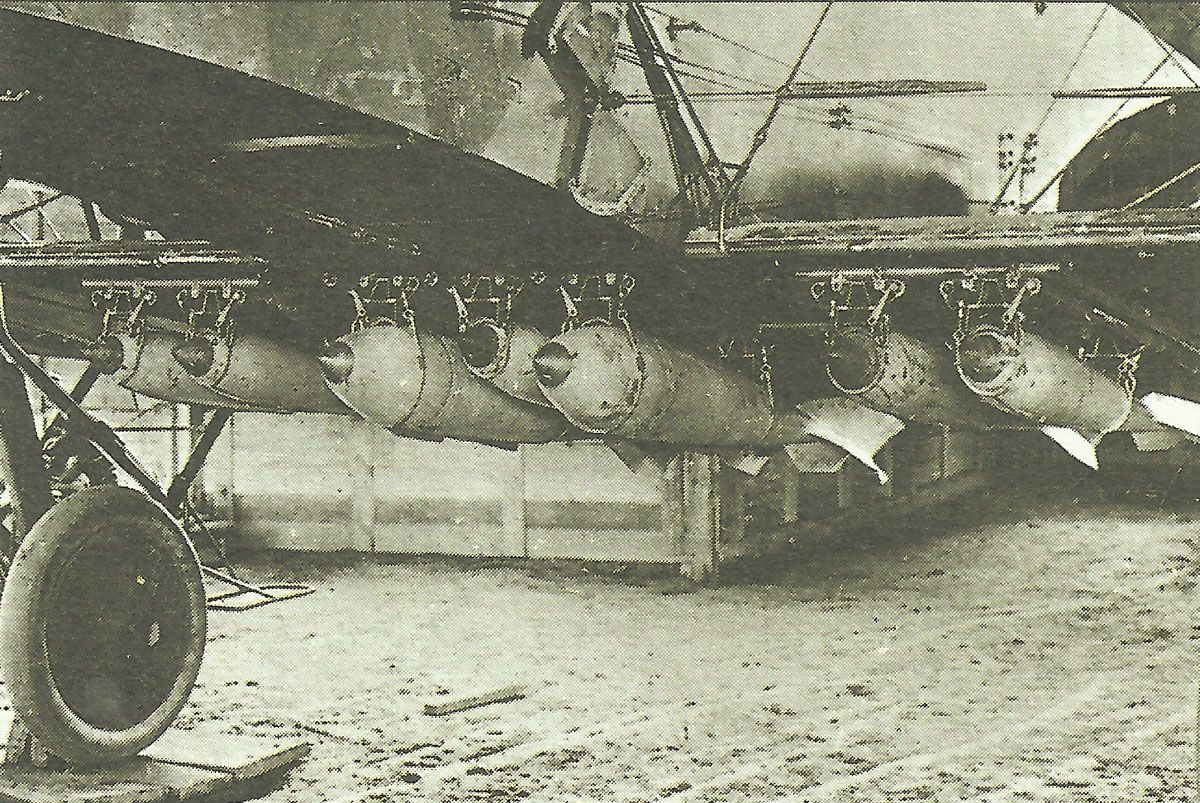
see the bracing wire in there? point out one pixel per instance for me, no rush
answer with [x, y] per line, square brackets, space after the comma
[1166, 48]
[1146, 196]
[883, 127]
[693, 25]
[760, 136]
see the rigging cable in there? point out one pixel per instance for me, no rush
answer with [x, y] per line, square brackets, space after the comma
[1189, 171]
[629, 54]
[760, 136]
[694, 25]
[881, 126]
[898, 133]
[1168, 183]
[1166, 48]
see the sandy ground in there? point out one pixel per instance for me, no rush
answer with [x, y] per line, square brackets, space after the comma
[984, 658]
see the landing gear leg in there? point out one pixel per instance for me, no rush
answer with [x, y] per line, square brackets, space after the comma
[21, 466]
[24, 475]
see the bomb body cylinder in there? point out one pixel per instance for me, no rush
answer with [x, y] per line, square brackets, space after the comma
[146, 364]
[416, 383]
[256, 370]
[608, 380]
[907, 377]
[1040, 380]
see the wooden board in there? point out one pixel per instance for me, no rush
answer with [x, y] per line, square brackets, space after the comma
[502, 695]
[181, 766]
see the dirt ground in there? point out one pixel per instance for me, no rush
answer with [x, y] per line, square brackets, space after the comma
[1044, 654]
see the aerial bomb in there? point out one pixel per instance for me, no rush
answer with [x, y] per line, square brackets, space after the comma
[1026, 375]
[902, 375]
[416, 383]
[145, 363]
[608, 380]
[257, 370]
[503, 355]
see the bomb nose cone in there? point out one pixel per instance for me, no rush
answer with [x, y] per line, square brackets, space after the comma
[337, 361]
[853, 361]
[553, 363]
[196, 355]
[480, 345]
[983, 356]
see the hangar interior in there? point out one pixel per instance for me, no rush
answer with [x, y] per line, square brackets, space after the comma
[486, 597]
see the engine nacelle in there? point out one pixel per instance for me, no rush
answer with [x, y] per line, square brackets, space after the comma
[259, 371]
[606, 380]
[416, 383]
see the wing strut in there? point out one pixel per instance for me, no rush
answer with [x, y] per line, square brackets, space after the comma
[702, 181]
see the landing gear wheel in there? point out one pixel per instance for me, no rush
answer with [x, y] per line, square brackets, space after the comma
[102, 625]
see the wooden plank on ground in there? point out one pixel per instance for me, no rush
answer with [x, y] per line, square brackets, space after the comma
[179, 782]
[181, 766]
[502, 695]
[241, 757]
[136, 781]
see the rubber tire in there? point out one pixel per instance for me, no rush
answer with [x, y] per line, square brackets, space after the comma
[31, 597]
